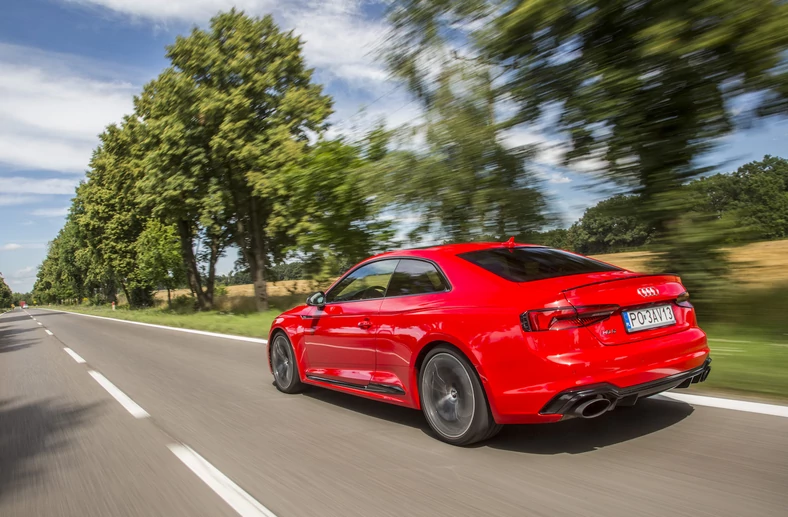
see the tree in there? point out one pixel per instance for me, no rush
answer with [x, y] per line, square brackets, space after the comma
[643, 86]
[159, 258]
[611, 225]
[6, 296]
[107, 211]
[180, 185]
[465, 184]
[336, 222]
[231, 117]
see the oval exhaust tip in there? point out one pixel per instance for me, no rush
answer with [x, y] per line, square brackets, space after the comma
[593, 408]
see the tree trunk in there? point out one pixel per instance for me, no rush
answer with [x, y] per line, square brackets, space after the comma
[190, 260]
[126, 292]
[215, 247]
[169, 298]
[257, 256]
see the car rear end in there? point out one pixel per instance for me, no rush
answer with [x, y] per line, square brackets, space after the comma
[595, 336]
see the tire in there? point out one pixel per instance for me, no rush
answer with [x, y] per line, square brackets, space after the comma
[283, 365]
[453, 399]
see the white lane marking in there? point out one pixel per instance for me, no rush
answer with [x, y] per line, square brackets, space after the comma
[33, 318]
[131, 406]
[48, 332]
[235, 496]
[744, 342]
[41, 324]
[735, 405]
[75, 356]
[178, 329]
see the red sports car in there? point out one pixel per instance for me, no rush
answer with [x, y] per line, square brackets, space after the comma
[481, 335]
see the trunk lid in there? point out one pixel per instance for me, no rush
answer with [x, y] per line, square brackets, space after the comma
[629, 291]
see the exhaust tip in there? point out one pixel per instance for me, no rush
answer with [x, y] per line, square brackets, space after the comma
[592, 408]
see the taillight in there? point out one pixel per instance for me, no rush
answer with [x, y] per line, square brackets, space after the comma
[683, 300]
[563, 318]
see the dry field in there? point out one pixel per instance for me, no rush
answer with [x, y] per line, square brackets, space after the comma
[762, 264]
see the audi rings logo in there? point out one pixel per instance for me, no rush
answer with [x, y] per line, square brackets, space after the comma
[645, 292]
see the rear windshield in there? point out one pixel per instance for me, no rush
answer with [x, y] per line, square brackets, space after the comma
[527, 264]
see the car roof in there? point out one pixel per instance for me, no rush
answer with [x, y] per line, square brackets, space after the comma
[453, 249]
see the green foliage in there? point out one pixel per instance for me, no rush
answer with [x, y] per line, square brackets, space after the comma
[755, 196]
[466, 184]
[643, 87]
[229, 122]
[293, 270]
[16, 298]
[335, 219]
[611, 225]
[159, 260]
[6, 296]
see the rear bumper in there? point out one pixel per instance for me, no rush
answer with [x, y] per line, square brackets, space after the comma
[521, 386]
[562, 403]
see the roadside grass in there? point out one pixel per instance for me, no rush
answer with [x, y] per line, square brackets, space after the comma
[252, 325]
[747, 360]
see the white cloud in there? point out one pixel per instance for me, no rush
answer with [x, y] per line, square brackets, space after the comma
[25, 273]
[339, 38]
[6, 200]
[22, 185]
[178, 10]
[52, 107]
[13, 246]
[50, 212]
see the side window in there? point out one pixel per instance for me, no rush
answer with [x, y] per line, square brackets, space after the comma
[366, 282]
[416, 277]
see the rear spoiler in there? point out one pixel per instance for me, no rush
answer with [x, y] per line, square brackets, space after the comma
[643, 275]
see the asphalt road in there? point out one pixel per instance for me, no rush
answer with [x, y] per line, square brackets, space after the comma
[67, 447]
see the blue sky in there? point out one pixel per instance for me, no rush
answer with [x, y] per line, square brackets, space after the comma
[70, 67]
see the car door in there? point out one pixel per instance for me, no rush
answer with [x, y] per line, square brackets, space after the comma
[340, 338]
[414, 306]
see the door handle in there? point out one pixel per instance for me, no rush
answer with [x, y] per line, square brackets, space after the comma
[364, 324]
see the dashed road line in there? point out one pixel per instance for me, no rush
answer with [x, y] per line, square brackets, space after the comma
[49, 332]
[40, 324]
[130, 406]
[232, 494]
[75, 356]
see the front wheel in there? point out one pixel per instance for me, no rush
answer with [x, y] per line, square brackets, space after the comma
[453, 400]
[284, 365]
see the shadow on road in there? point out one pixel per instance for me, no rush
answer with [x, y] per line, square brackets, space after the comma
[21, 317]
[577, 436]
[574, 436]
[10, 339]
[396, 414]
[27, 432]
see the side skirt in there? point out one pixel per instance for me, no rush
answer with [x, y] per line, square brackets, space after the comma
[371, 387]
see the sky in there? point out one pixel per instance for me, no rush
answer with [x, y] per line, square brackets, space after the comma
[68, 68]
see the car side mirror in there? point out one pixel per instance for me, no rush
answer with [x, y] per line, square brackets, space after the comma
[317, 299]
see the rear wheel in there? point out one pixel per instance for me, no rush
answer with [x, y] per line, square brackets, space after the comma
[284, 366]
[453, 400]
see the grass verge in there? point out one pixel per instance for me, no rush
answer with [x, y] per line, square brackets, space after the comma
[253, 325]
[746, 361]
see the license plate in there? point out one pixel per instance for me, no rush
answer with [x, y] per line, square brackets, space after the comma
[649, 318]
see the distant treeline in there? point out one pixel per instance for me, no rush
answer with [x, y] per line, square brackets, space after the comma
[752, 202]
